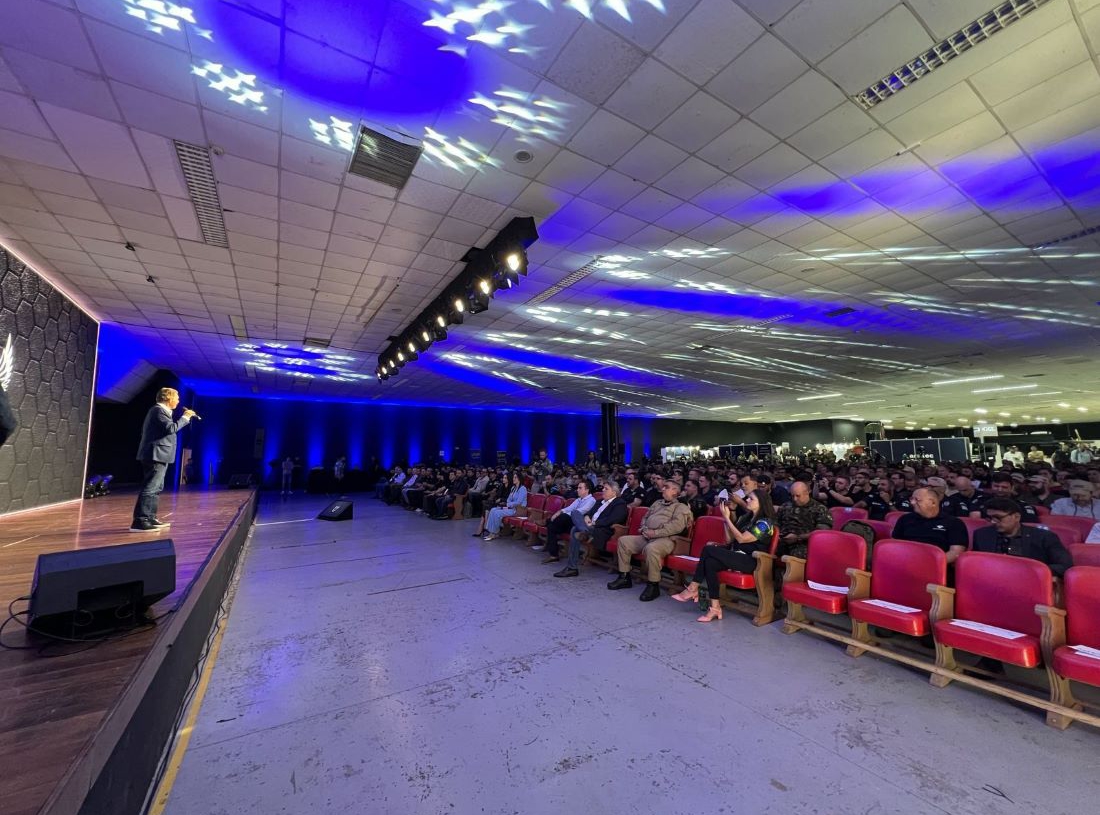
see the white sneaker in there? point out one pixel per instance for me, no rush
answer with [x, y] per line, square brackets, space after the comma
[538, 547]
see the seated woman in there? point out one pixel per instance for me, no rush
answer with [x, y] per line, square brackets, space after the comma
[752, 531]
[494, 518]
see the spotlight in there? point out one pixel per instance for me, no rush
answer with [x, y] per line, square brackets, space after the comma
[513, 261]
[459, 305]
[426, 336]
[485, 286]
[441, 321]
[478, 296]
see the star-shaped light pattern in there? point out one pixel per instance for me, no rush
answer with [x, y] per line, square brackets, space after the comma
[456, 155]
[237, 86]
[526, 113]
[160, 16]
[498, 23]
[301, 363]
[334, 133]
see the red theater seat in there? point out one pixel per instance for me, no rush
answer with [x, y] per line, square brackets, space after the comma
[991, 610]
[1071, 640]
[1042, 511]
[1069, 529]
[633, 527]
[883, 529]
[843, 514]
[536, 529]
[971, 525]
[513, 524]
[706, 530]
[894, 594]
[821, 580]
[762, 581]
[1085, 554]
[893, 515]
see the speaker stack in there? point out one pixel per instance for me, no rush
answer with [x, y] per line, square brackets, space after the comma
[338, 510]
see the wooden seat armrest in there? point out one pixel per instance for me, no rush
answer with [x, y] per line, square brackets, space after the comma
[1059, 592]
[1053, 635]
[796, 569]
[860, 587]
[680, 544]
[943, 602]
[764, 556]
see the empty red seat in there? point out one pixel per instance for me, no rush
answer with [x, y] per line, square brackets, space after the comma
[537, 529]
[1071, 639]
[821, 580]
[1085, 554]
[893, 515]
[894, 594]
[1069, 529]
[762, 581]
[843, 514]
[991, 610]
[707, 529]
[514, 523]
[633, 527]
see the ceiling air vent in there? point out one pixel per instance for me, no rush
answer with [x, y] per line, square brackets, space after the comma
[1073, 236]
[203, 189]
[383, 158]
[957, 44]
[840, 312]
[316, 342]
[569, 280]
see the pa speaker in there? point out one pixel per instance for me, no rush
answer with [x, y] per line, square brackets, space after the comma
[339, 510]
[240, 481]
[87, 591]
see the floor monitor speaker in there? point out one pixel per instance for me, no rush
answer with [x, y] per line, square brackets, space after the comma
[240, 481]
[339, 510]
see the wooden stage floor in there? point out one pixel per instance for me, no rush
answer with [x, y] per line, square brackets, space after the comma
[55, 701]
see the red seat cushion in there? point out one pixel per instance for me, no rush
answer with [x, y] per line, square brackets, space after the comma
[827, 601]
[514, 520]
[682, 563]
[913, 623]
[530, 527]
[1072, 665]
[737, 580]
[1023, 651]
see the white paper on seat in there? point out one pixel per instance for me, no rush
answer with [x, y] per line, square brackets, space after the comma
[826, 587]
[1004, 633]
[891, 606]
[1086, 651]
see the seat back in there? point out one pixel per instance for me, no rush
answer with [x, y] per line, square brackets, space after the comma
[634, 520]
[773, 544]
[714, 512]
[883, 529]
[1042, 511]
[536, 502]
[1068, 528]
[553, 504]
[831, 554]
[902, 570]
[971, 525]
[707, 530]
[893, 515]
[843, 514]
[1082, 596]
[1084, 554]
[1002, 590]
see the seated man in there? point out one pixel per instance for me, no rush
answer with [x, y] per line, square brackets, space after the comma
[1008, 536]
[563, 521]
[665, 518]
[594, 529]
[633, 492]
[927, 523]
[835, 495]
[693, 499]
[1002, 485]
[1080, 503]
[799, 518]
[444, 503]
[964, 501]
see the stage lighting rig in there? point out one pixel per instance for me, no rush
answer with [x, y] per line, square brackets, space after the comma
[494, 268]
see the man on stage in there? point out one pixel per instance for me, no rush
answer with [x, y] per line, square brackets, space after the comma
[156, 451]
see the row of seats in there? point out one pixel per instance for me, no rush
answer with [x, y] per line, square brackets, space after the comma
[1039, 621]
[1001, 607]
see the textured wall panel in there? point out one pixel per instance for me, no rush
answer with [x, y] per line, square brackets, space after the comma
[50, 390]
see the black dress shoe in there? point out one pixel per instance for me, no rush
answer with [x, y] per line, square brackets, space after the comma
[143, 526]
[568, 571]
[550, 559]
[623, 581]
[651, 592]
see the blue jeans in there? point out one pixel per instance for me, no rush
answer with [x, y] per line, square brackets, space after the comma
[579, 525]
[152, 484]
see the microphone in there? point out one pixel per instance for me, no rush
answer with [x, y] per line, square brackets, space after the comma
[194, 415]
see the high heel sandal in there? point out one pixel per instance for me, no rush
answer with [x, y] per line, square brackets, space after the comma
[687, 596]
[713, 613]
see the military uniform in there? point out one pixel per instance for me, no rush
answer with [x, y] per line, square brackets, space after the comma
[801, 521]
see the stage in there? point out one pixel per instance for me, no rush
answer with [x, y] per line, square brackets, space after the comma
[81, 728]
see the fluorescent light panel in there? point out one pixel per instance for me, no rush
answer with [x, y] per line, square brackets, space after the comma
[967, 379]
[819, 396]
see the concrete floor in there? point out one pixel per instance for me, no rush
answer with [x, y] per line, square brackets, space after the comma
[394, 664]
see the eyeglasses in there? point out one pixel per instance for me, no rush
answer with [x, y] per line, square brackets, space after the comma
[997, 517]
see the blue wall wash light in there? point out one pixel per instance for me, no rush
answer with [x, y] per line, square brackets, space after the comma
[495, 268]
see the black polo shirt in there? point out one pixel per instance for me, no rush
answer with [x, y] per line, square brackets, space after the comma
[943, 531]
[960, 506]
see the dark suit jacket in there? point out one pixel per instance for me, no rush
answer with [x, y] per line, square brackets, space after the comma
[1032, 542]
[616, 513]
[158, 436]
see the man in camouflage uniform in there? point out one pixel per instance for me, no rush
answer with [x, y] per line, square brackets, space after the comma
[799, 518]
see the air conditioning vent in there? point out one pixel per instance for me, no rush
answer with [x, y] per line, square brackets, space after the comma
[840, 312]
[316, 342]
[384, 159]
[198, 172]
[570, 279]
[957, 44]
[1073, 236]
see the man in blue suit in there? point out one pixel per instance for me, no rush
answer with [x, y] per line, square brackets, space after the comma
[156, 451]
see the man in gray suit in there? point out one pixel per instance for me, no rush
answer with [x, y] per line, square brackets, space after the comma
[156, 451]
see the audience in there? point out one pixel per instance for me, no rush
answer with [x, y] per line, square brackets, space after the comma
[665, 519]
[1009, 536]
[799, 518]
[1080, 503]
[564, 520]
[927, 523]
[1003, 485]
[593, 531]
[750, 533]
[492, 521]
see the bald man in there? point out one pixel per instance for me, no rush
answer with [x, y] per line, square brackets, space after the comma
[927, 523]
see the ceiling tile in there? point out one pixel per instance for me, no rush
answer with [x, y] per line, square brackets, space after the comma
[892, 40]
[757, 74]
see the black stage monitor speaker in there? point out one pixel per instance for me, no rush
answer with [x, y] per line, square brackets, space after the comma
[240, 480]
[89, 591]
[339, 510]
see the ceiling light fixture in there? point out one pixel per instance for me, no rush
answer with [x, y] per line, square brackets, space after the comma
[819, 396]
[967, 379]
[1006, 388]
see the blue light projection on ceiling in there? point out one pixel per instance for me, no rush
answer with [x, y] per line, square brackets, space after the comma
[302, 363]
